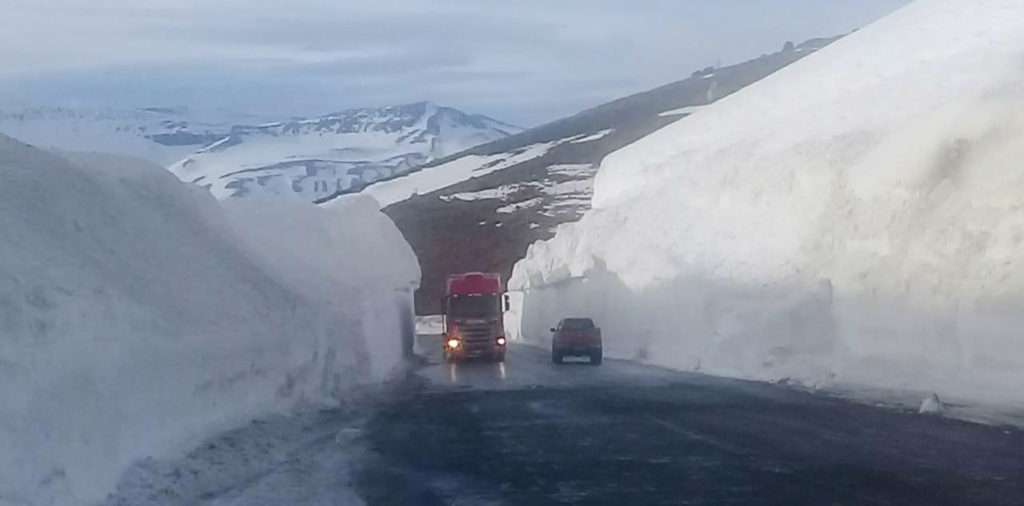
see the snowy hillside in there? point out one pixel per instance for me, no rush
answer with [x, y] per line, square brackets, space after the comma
[137, 313]
[519, 189]
[856, 217]
[161, 135]
[319, 157]
[462, 168]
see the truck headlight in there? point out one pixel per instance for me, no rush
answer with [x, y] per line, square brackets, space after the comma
[454, 343]
[501, 341]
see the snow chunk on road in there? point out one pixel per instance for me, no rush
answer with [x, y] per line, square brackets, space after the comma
[137, 314]
[931, 405]
[855, 216]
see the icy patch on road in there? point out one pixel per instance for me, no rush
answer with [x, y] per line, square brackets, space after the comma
[299, 459]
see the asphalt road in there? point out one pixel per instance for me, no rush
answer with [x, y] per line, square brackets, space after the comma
[533, 433]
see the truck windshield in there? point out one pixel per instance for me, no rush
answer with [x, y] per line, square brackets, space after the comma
[474, 306]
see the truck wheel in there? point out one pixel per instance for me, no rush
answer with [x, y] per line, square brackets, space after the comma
[556, 357]
[499, 358]
[595, 358]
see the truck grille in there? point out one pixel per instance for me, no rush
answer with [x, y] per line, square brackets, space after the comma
[478, 332]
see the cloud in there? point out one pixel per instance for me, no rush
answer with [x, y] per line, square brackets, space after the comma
[525, 61]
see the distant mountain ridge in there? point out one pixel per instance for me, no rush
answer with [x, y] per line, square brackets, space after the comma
[162, 135]
[240, 156]
[313, 158]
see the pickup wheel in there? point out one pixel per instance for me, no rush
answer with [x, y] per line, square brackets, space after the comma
[556, 357]
[595, 358]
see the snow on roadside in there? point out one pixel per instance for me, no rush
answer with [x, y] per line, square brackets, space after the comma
[301, 458]
[138, 314]
[429, 325]
[874, 240]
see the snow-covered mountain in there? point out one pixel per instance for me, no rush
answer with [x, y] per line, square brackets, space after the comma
[318, 157]
[162, 135]
[855, 218]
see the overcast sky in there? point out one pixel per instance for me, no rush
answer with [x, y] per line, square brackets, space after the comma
[523, 61]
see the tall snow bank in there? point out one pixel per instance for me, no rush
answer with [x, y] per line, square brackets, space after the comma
[136, 314]
[855, 217]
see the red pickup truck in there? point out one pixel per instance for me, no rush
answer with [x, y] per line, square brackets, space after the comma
[576, 337]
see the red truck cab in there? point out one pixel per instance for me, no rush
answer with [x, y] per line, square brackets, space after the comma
[472, 309]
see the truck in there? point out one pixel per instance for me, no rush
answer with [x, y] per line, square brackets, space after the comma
[472, 310]
[577, 337]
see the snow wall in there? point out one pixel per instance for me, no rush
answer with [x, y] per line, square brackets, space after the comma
[137, 314]
[857, 217]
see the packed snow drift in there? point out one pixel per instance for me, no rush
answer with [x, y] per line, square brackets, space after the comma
[856, 217]
[138, 313]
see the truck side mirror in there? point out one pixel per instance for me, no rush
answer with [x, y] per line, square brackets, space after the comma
[554, 329]
[507, 301]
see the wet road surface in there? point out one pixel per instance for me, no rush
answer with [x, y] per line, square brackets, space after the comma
[533, 433]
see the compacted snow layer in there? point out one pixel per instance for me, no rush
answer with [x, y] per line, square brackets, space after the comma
[137, 313]
[855, 217]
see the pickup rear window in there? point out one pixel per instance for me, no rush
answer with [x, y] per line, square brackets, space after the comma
[577, 324]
